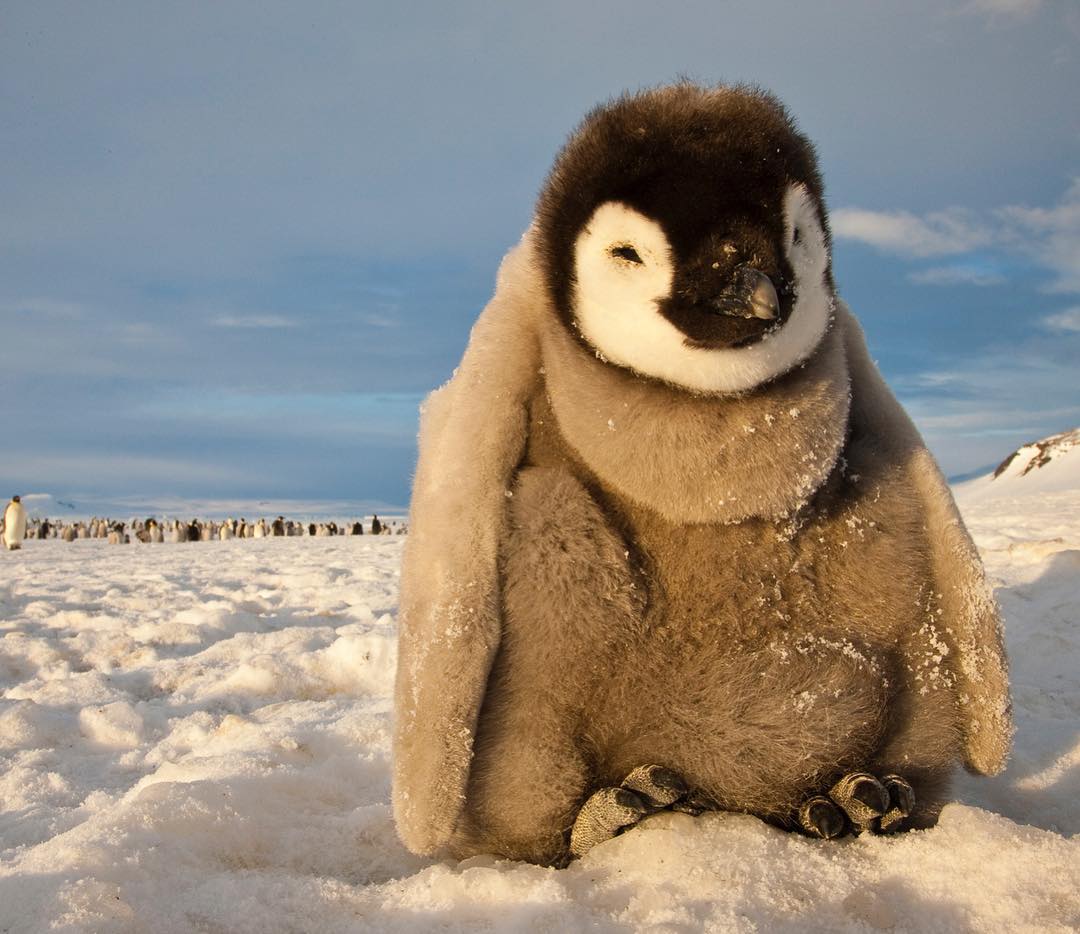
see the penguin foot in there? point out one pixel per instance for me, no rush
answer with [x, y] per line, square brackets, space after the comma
[610, 811]
[819, 817]
[901, 803]
[859, 802]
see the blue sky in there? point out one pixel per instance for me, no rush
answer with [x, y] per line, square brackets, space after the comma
[240, 241]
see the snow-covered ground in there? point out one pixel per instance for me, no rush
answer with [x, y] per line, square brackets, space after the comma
[196, 738]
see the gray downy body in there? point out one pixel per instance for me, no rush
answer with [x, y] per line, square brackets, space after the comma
[760, 659]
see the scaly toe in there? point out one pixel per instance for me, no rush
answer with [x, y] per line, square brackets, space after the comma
[862, 797]
[656, 786]
[901, 802]
[605, 814]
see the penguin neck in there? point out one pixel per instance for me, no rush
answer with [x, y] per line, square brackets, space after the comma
[696, 458]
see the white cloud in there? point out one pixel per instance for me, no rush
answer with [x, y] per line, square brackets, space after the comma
[974, 414]
[956, 275]
[939, 233]
[253, 321]
[996, 9]
[1049, 237]
[1067, 320]
[379, 320]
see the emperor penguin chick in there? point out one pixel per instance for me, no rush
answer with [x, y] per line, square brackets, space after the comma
[673, 541]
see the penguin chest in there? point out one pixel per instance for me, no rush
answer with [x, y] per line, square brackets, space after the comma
[851, 568]
[718, 584]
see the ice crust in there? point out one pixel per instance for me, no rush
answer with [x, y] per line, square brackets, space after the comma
[196, 738]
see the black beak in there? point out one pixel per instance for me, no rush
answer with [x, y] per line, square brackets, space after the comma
[752, 295]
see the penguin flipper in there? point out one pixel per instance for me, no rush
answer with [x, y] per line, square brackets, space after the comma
[971, 626]
[472, 439]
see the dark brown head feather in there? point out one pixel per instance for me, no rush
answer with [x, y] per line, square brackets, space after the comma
[705, 163]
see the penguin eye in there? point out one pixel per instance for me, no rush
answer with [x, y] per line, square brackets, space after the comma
[627, 253]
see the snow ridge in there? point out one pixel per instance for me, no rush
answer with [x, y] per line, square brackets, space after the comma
[1038, 454]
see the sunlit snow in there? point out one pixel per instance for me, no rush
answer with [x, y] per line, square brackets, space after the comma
[196, 738]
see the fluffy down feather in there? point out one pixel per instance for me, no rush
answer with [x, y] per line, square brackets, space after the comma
[757, 590]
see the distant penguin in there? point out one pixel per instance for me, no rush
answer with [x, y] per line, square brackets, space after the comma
[278, 528]
[376, 526]
[68, 534]
[311, 528]
[225, 533]
[357, 528]
[14, 524]
[156, 535]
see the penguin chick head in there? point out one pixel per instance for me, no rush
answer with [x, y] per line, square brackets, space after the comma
[684, 237]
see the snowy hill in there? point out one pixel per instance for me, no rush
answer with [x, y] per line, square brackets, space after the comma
[1029, 505]
[198, 739]
[1048, 466]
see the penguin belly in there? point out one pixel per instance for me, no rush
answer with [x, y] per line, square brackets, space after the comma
[735, 660]
[760, 660]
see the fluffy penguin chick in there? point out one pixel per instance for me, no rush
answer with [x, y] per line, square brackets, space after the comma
[674, 542]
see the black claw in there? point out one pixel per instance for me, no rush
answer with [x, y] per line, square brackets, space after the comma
[695, 803]
[901, 801]
[869, 791]
[657, 786]
[901, 794]
[673, 781]
[863, 798]
[630, 801]
[819, 817]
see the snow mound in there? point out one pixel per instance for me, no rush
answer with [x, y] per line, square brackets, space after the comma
[1029, 505]
[1051, 465]
[1055, 450]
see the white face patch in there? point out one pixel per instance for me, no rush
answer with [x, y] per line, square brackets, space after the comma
[624, 266]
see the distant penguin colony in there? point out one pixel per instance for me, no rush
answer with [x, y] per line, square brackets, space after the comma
[676, 543]
[16, 528]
